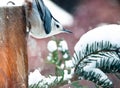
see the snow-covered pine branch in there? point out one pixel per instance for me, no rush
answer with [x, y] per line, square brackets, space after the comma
[97, 53]
[63, 66]
[37, 80]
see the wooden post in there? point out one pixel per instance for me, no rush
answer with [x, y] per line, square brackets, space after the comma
[13, 48]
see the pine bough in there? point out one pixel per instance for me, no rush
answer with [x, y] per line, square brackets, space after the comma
[98, 52]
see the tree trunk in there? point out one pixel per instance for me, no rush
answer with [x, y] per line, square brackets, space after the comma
[13, 48]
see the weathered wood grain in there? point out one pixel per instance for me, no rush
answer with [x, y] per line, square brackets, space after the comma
[13, 48]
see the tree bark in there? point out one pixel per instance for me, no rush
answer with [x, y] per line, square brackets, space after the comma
[13, 48]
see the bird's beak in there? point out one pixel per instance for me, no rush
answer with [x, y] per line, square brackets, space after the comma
[66, 31]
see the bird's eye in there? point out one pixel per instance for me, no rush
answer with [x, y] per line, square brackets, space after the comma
[57, 26]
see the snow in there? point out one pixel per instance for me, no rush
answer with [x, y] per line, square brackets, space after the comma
[110, 33]
[99, 35]
[65, 56]
[97, 71]
[69, 63]
[67, 76]
[49, 58]
[106, 32]
[63, 46]
[62, 66]
[35, 77]
[52, 46]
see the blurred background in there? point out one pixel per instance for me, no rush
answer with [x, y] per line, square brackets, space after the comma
[79, 16]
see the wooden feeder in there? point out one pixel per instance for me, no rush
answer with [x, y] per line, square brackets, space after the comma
[13, 48]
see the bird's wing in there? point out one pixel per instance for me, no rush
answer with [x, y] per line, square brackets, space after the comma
[45, 15]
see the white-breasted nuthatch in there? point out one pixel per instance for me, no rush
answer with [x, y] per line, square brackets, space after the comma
[42, 23]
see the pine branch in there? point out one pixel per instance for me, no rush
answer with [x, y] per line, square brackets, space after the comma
[98, 51]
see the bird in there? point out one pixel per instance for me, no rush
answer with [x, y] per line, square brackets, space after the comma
[42, 24]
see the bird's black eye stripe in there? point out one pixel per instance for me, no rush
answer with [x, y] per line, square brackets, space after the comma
[55, 19]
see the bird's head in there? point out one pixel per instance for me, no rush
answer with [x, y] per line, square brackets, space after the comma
[56, 27]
